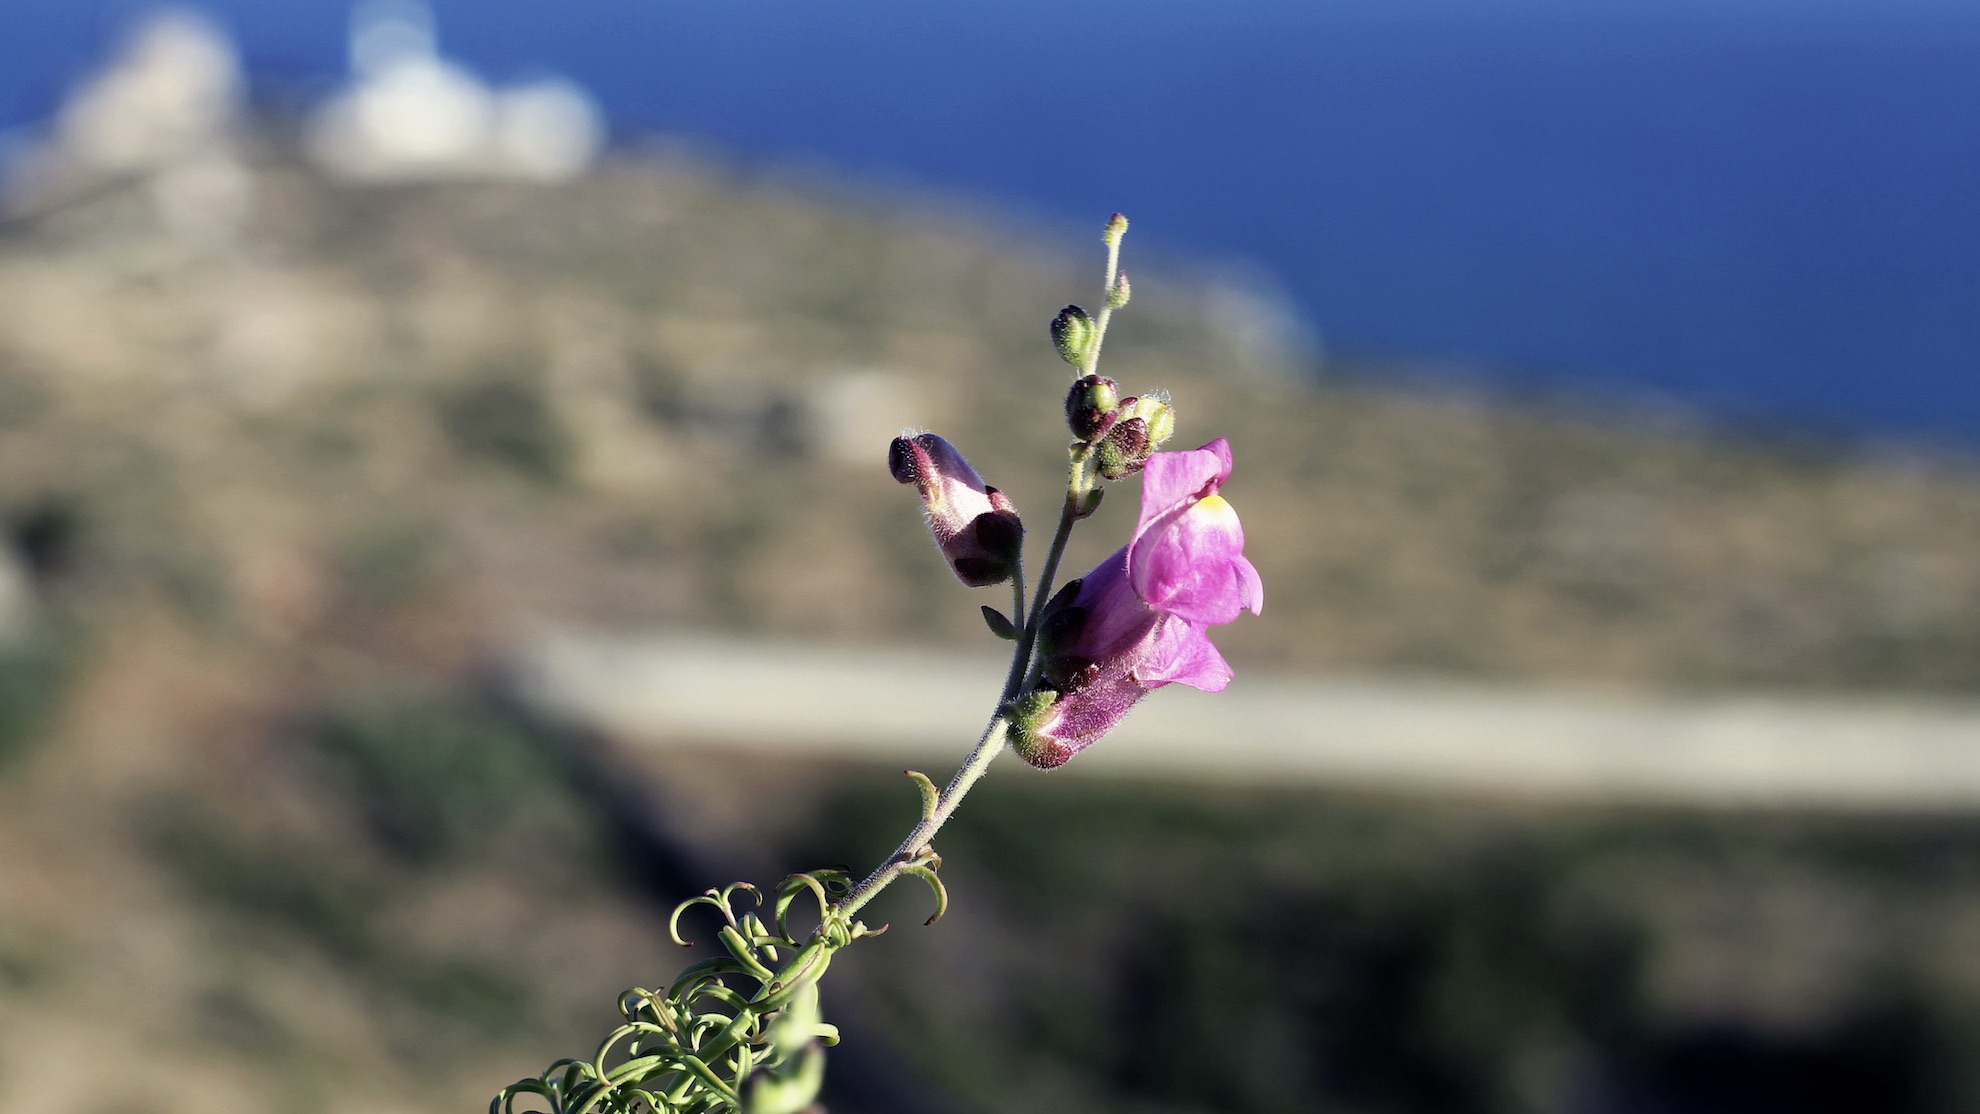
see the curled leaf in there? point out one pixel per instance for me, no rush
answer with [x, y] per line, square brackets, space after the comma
[788, 891]
[929, 797]
[927, 874]
[722, 899]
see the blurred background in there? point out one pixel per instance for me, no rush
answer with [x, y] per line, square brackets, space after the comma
[445, 524]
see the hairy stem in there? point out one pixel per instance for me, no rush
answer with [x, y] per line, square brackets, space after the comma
[1019, 653]
[1106, 303]
[987, 747]
[1028, 640]
[916, 844]
[1024, 669]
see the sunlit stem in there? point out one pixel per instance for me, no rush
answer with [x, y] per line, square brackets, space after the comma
[1078, 483]
[1113, 239]
[916, 844]
[1023, 671]
[1016, 673]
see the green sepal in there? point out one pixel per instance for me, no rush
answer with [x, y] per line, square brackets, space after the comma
[1067, 593]
[1026, 714]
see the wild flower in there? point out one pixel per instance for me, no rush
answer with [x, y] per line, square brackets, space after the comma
[741, 1032]
[1140, 619]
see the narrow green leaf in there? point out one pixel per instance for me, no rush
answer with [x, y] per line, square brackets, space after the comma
[999, 625]
[929, 797]
[934, 883]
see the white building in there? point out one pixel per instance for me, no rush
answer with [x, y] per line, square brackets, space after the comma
[410, 114]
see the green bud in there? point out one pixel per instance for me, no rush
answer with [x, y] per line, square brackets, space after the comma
[1154, 410]
[1116, 228]
[1072, 334]
[1118, 296]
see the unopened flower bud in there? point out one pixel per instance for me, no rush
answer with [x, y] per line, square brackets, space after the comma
[1090, 406]
[1073, 334]
[1125, 449]
[1121, 291]
[975, 526]
[1154, 409]
[1116, 227]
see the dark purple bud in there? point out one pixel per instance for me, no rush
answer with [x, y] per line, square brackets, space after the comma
[900, 460]
[1091, 406]
[1125, 449]
[975, 526]
[1153, 408]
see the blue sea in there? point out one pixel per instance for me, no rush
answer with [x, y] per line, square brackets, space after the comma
[1766, 210]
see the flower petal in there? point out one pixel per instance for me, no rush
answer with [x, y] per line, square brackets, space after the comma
[1253, 585]
[1191, 564]
[1181, 652]
[1115, 616]
[1171, 481]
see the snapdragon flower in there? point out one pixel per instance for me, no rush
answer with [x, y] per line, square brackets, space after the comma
[975, 526]
[1140, 620]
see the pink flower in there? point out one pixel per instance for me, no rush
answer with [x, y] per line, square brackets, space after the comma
[975, 526]
[1139, 621]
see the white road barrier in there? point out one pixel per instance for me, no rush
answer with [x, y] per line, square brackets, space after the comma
[925, 708]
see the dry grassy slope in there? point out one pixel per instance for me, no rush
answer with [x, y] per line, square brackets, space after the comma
[676, 376]
[652, 397]
[279, 498]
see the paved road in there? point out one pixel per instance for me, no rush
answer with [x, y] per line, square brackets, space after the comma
[924, 709]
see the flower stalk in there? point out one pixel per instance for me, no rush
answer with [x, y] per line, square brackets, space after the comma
[740, 1032]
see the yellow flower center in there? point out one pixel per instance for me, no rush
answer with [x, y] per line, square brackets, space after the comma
[1215, 506]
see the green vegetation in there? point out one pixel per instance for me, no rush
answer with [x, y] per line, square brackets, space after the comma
[1259, 952]
[436, 777]
[33, 673]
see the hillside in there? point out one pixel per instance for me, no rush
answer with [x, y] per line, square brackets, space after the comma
[670, 384]
[279, 494]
